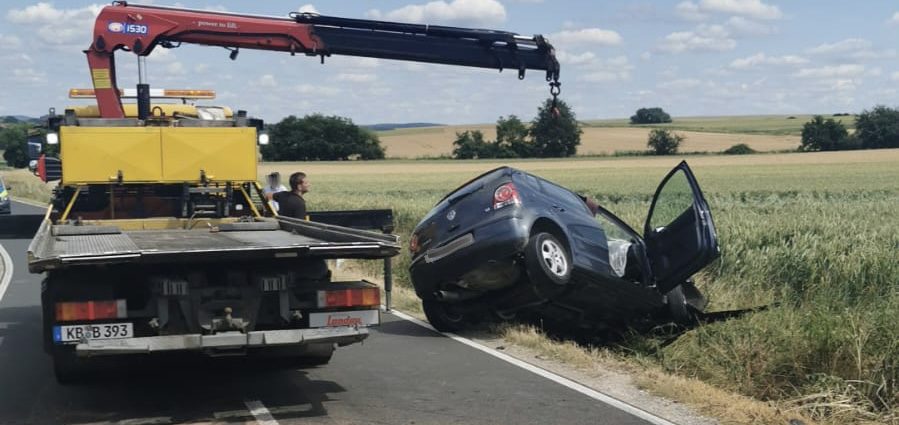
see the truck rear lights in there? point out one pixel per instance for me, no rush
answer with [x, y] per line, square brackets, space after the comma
[354, 297]
[505, 195]
[91, 310]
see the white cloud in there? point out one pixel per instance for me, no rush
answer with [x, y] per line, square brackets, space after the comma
[307, 8]
[600, 71]
[29, 75]
[690, 11]
[175, 68]
[843, 46]
[837, 71]
[874, 54]
[704, 38]
[760, 59]
[895, 76]
[680, 84]
[875, 72]
[316, 89]
[895, 19]
[746, 27]
[751, 8]
[57, 26]
[357, 78]
[9, 42]
[458, 12]
[575, 59]
[267, 80]
[755, 9]
[587, 36]
[646, 56]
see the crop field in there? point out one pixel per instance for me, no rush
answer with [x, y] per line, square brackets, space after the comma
[814, 233]
[750, 124]
[438, 141]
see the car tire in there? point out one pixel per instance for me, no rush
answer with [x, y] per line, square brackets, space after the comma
[548, 260]
[444, 316]
[680, 311]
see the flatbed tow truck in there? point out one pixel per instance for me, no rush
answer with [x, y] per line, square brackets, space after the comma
[158, 238]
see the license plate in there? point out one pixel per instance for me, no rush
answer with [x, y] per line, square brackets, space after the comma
[344, 318]
[77, 333]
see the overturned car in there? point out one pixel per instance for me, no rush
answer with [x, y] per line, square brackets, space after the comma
[509, 242]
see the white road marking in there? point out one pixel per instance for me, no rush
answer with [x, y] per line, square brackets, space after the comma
[7, 271]
[576, 386]
[260, 412]
[30, 202]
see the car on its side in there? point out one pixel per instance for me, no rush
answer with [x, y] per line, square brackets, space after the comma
[5, 206]
[510, 242]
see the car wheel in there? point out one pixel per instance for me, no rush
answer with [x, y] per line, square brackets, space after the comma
[680, 311]
[444, 316]
[548, 260]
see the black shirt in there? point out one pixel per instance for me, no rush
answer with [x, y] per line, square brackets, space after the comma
[290, 205]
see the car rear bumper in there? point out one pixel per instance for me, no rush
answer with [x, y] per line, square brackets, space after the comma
[492, 241]
[5, 207]
[223, 341]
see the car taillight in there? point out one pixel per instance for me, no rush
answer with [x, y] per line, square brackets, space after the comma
[413, 243]
[355, 297]
[505, 195]
[91, 310]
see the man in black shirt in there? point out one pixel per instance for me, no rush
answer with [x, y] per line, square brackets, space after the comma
[292, 204]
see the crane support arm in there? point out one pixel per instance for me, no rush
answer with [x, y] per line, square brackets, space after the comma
[140, 29]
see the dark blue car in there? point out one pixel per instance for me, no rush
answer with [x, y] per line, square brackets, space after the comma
[509, 242]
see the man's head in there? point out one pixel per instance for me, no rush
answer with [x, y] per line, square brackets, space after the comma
[274, 179]
[299, 183]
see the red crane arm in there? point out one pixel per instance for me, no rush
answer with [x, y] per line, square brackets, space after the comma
[139, 29]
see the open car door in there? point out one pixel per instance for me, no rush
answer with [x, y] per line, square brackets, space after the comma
[679, 233]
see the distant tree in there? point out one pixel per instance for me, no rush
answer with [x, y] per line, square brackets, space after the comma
[512, 139]
[319, 137]
[470, 144]
[664, 142]
[555, 133]
[739, 149]
[650, 116]
[824, 135]
[878, 128]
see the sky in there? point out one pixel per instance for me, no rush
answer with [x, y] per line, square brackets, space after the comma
[691, 57]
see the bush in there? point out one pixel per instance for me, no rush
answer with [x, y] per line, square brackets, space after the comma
[471, 145]
[318, 137]
[878, 128]
[664, 142]
[824, 135]
[740, 149]
[555, 134]
[650, 116]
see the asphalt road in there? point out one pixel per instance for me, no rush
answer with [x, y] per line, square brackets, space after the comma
[403, 374]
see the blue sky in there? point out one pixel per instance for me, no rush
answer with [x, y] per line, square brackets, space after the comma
[691, 57]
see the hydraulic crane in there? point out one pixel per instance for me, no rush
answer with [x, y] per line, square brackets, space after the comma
[140, 29]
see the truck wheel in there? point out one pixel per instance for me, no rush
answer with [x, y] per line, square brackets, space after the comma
[547, 260]
[315, 355]
[68, 368]
[444, 316]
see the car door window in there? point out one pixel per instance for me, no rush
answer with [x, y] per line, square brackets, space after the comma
[674, 200]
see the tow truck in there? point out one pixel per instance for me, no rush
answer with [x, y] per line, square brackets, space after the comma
[158, 238]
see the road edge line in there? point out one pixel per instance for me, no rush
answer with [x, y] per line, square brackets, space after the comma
[29, 202]
[561, 380]
[260, 412]
[7, 271]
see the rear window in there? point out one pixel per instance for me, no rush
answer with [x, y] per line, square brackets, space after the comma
[488, 176]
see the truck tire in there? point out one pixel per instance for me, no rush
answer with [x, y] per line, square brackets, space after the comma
[443, 316]
[315, 355]
[547, 260]
[67, 366]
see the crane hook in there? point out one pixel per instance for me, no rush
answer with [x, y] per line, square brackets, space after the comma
[555, 88]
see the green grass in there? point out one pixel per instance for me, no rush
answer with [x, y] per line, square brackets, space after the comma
[819, 240]
[750, 124]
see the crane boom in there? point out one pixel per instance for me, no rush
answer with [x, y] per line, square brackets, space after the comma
[141, 28]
